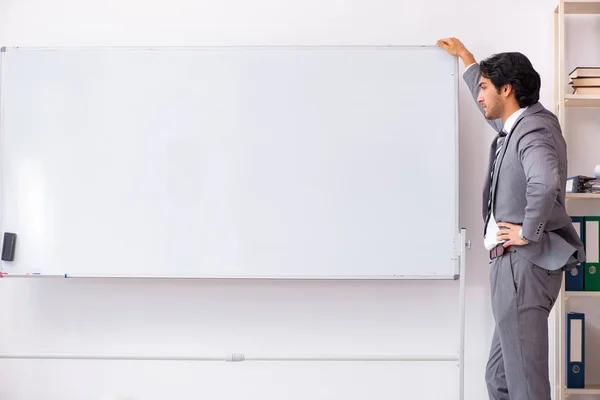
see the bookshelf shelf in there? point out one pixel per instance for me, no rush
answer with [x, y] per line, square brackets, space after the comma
[591, 389]
[592, 196]
[579, 100]
[581, 294]
[581, 7]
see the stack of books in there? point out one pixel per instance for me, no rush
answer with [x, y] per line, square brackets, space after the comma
[585, 80]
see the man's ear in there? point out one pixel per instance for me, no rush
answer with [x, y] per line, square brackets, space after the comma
[506, 90]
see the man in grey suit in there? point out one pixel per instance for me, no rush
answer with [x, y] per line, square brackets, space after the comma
[527, 231]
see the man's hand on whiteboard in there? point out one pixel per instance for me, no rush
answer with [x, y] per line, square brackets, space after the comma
[510, 234]
[455, 48]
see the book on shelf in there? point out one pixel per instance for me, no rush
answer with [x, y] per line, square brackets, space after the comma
[585, 82]
[595, 90]
[585, 72]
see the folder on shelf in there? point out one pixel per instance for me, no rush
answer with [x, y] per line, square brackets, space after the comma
[592, 252]
[575, 350]
[574, 278]
[576, 184]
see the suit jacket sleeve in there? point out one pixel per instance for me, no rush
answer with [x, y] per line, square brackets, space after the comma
[471, 77]
[537, 152]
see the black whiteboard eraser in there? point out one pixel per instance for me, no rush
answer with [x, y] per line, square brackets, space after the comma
[8, 246]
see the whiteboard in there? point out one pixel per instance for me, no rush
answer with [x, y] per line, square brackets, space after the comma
[236, 162]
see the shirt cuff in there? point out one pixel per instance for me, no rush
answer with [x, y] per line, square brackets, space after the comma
[469, 67]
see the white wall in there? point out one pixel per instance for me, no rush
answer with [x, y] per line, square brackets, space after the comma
[265, 318]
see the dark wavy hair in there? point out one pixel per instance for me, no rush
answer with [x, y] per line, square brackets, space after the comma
[514, 69]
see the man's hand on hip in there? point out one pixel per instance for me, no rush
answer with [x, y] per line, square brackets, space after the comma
[454, 47]
[509, 233]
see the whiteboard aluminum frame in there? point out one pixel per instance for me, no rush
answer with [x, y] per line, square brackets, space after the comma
[459, 249]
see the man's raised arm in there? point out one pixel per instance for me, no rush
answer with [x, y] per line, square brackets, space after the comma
[454, 47]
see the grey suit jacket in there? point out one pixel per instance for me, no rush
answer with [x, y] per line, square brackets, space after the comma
[529, 184]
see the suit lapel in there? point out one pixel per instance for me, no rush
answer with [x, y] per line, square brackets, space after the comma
[537, 107]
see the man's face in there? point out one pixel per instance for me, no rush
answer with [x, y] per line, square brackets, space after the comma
[490, 99]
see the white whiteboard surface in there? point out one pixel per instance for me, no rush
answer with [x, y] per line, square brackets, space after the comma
[300, 162]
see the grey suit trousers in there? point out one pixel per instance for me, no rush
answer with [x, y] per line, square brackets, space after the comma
[522, 296]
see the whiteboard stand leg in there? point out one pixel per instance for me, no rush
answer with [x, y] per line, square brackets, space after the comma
[461, 315]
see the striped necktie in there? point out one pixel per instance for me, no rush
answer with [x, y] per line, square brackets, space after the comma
[498, 144]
